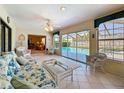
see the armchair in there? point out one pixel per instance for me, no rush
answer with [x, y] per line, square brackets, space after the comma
[96, 60]
[49, 51]
[22, 51]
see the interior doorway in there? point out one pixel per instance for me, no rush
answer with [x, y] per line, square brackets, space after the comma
[36, 42]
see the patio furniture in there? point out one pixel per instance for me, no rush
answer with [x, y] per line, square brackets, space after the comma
[22, 51]
[51, 51]
[59, 70]
[33, 76]
[96, 60]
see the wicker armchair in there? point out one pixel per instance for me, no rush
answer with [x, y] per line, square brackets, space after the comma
[22, 51]
[96, 60]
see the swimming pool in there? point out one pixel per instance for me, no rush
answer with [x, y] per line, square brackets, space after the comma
[79, 50]
[71, 53]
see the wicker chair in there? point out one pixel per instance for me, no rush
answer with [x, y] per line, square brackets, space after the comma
[96, 60]
[22, 51]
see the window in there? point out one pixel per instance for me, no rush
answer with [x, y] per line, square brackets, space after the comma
[56, 41]
[111, 39]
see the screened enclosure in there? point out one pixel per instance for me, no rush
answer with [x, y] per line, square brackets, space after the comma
[111, 39]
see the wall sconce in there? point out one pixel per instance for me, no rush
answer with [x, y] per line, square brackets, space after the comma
[8, 19]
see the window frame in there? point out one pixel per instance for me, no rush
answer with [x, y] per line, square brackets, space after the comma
[54, 36]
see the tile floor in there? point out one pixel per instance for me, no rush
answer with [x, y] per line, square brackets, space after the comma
[85, 79]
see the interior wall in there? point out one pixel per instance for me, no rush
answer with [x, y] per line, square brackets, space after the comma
[3, 15]
[26, 32]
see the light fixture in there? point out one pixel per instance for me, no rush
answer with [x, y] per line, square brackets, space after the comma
[46, 29]
[49, 26]
[62, 8]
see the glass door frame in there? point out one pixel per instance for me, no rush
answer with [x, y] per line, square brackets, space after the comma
[88, 30]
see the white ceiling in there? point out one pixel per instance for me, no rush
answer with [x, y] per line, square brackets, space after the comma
[32, 16]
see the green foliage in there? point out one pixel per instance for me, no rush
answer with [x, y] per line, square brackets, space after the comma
[113, 49]
[65, 44]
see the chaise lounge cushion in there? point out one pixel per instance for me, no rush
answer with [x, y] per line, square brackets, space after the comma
[3, 67]
[11, 64]
[33, 76]
[5, 84]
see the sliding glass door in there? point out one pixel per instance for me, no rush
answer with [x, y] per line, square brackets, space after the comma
[72, 46]
[82, 45]
[76, 45]
[5, 37]
[64, 45]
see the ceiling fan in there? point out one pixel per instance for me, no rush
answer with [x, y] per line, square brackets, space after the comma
[49, 25]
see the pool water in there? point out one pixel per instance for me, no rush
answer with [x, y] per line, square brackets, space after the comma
[71, 53]
[79, 50]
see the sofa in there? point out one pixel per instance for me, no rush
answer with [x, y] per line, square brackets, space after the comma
[27, 74]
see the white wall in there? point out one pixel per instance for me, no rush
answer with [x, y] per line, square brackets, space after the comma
[27, 31]
[3, 15]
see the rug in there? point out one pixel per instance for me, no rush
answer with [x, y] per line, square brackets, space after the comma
[115, 68]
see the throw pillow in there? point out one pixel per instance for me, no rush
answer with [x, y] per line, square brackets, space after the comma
[21, 60]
